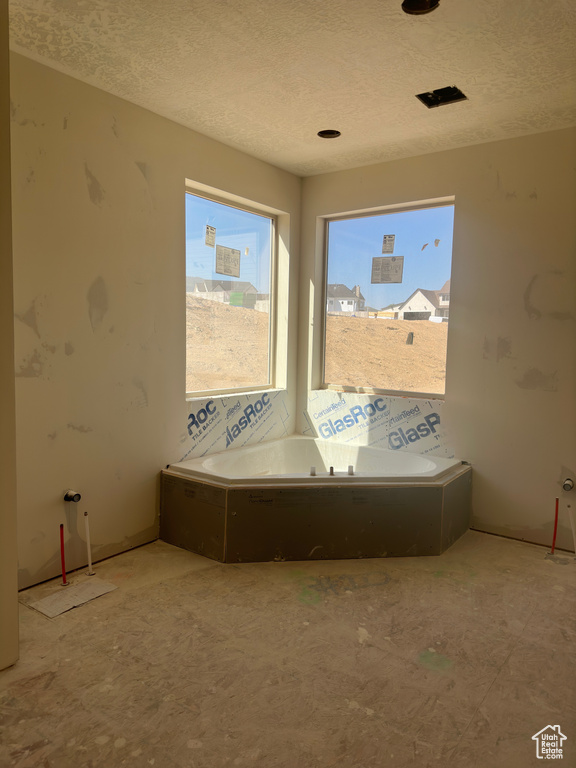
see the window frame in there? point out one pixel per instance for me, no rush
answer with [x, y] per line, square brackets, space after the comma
[279, 227]
[324, 222]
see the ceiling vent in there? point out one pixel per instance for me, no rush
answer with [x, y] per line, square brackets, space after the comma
[448, 95]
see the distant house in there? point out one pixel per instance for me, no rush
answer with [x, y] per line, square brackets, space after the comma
[389, 312]
[340, 298]
[236, 292]
[423, 304]
[444, 298]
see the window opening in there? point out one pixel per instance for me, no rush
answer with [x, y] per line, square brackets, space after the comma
[229, 266]
[387, 305]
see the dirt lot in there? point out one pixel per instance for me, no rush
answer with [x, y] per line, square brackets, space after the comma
[227, 347]
[374, 353]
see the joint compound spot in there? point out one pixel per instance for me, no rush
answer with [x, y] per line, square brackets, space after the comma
[532, 311]
[535, 379]
[142, 401]
[549, 295]
[30, 318]
[503, 348]
[79, 428]
[97, 302]
[32, 367]
[95, 190]
[68, 349]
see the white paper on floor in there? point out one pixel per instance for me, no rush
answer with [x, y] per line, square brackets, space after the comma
[70, 597]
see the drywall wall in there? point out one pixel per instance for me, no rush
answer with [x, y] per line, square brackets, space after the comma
[8, 562]
[98, 202]
[511, 369]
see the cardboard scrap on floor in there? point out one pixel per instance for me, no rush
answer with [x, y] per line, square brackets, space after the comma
[71, 597]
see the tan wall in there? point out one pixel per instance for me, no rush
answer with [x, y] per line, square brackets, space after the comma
[511, 374]
[98, 199]
[8, 563]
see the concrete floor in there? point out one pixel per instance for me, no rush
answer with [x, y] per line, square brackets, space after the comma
[454, 660]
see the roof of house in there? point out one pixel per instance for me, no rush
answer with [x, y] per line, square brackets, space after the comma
[432, 297]
[212, 286]
[340, 291]
[445, 288]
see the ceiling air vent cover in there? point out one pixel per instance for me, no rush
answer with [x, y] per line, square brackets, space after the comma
[448, 95]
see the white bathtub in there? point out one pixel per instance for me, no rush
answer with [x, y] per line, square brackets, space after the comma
[260, 503]
[288, 461]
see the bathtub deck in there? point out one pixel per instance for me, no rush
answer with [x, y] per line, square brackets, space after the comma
[329, 522]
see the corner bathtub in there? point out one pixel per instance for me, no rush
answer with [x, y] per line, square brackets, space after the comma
[261, 502]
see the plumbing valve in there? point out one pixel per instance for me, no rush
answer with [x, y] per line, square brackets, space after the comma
[72, 496]
[568, 484]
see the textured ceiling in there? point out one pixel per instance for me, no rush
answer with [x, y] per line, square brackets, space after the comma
[265, 77]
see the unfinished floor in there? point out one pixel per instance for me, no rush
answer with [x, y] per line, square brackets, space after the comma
[456, 660]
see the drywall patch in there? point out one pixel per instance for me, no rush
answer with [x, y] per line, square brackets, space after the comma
[533, 378]
[97, 298]
[142, 400]
[95, 189]
[68, 349]
[503, 348]
[79, 428]
[23, 121]
[30, 318]
[32, 367]
[532, 311]
[549, 295]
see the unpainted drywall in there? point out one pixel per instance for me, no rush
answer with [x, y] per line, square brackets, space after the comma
[8, 562]
[511, 370]
[99, 249]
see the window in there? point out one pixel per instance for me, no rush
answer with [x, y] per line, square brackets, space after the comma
[391, 334]
[229, 296]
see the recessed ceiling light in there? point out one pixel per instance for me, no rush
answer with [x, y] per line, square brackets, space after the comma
[416, 7]
[329, 134]
[441, 96]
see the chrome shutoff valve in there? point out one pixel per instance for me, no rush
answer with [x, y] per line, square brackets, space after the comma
[568, 484]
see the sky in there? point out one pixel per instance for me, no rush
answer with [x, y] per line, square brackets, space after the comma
[236, 229]
[423, 237]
